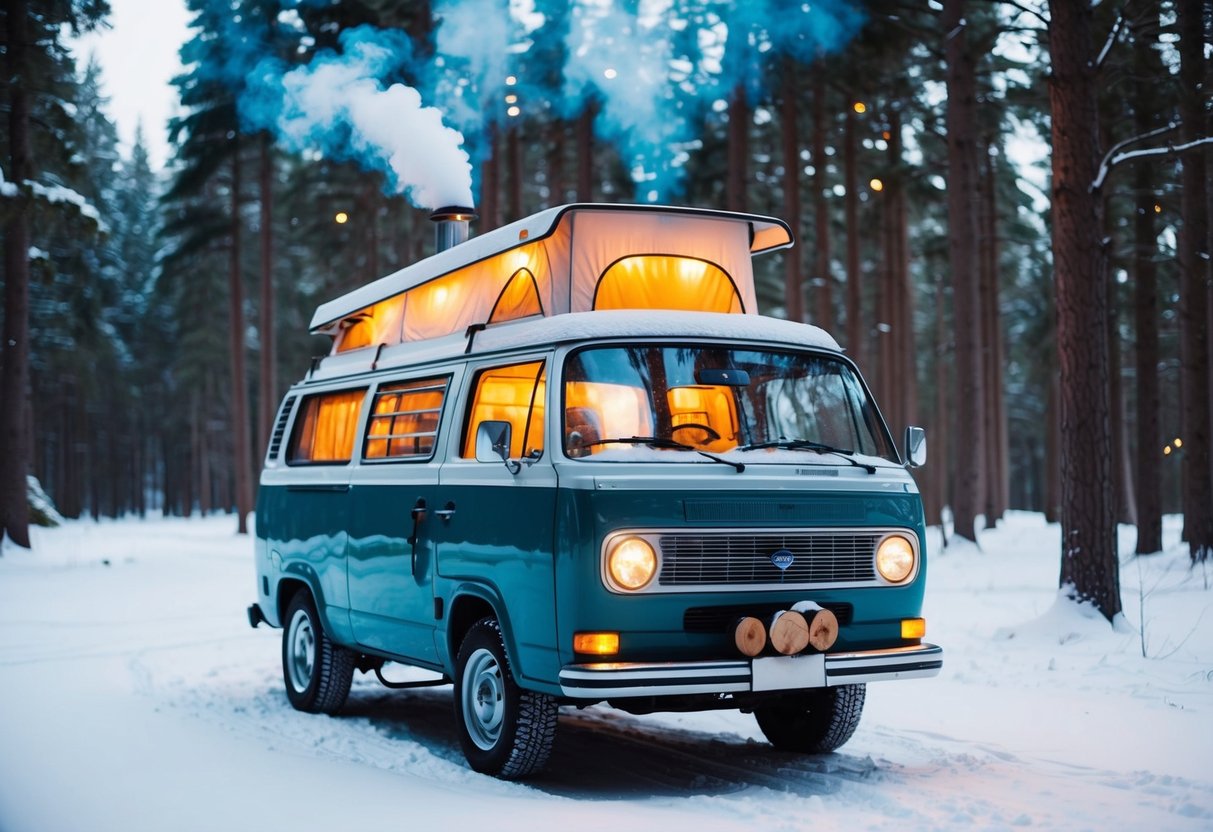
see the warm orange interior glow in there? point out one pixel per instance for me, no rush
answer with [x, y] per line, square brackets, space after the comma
[326, 430]
[597, 410]
[519, 298]
[651, 281]
[377, 324]
[596, 644]
[404, 420]
[510, 394]
[913, 628]
[707, 405]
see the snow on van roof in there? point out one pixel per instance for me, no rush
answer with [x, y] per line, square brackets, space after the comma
[637, 323]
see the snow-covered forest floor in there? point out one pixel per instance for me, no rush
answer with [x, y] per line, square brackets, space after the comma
[134, 696]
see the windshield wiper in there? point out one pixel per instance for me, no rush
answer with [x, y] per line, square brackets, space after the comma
[810, 445]
[660, 442]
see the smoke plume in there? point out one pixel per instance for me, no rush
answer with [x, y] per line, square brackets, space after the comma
[336, 104]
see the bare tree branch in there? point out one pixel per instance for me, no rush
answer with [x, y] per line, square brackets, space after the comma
[1110, 161]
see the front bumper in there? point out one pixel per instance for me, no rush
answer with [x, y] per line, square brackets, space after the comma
[606, 680]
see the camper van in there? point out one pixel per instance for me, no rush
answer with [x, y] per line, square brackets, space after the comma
[567, 462]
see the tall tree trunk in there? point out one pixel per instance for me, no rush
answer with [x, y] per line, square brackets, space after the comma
[584, 136]
[242, 464]
[555, 163]
[1124, 509]
[739, 149]
[268, 399]
[1145, 303]
[793, 290]
[905, 350]
[992, 353]
[937, 470]
[14, 378]
[963, 209]
[490, 216]
[822, 277]
[370, 203]
[855, 345]
[882, 331]
[513, 156]
[1196, 270]
[1089, 565]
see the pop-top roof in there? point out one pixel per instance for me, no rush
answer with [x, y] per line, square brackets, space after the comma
[572, 258]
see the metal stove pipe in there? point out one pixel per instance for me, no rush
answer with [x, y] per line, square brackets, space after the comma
[451, 226]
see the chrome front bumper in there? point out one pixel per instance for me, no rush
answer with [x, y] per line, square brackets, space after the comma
[606, 680]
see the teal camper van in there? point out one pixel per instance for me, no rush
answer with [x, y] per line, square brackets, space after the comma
[566, 462]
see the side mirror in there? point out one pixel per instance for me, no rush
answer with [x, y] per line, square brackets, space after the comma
[916, 447]
[492, 441]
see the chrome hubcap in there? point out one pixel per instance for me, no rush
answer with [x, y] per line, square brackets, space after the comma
[483, 698]
[301, 655]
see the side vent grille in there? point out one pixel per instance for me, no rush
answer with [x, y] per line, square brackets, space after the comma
[280, 428]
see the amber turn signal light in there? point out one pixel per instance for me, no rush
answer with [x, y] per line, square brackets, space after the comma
[596, 644]
[913, 627]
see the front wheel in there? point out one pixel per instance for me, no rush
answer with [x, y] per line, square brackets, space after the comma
[317, 671]
[505, 731]
[814, 722]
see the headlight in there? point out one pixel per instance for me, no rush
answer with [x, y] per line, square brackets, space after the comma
[631, 562]
[895, 558]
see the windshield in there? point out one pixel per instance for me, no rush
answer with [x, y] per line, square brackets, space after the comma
[678, 399]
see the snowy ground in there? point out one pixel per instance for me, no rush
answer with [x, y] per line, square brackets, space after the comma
[134, 696]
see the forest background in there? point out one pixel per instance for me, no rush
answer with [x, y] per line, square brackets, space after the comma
[1052, 339]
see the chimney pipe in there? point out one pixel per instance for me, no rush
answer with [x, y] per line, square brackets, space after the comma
[451, 226]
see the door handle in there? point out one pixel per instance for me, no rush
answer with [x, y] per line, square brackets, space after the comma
[446, 512]
[418, 514]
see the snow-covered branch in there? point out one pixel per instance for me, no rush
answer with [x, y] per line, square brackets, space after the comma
[53, 194]
[1117, 154]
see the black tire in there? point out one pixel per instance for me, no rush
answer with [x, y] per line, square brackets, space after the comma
[815, 722]
[505, 731]
[315, 669]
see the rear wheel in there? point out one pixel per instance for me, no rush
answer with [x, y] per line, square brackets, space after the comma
[814, 722]
[317, 671]
[505, 731]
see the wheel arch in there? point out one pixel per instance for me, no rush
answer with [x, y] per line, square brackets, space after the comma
[470, 603]
[294, 582]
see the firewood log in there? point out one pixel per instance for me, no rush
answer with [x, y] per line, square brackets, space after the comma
[789, 632]
[823, 629]
[750, 636]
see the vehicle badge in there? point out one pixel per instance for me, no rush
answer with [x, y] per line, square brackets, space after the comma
[783, 559]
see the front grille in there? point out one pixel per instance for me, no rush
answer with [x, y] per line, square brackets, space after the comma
[825, 557]
[721, 619]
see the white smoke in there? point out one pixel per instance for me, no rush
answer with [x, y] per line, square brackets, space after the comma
[338, 103]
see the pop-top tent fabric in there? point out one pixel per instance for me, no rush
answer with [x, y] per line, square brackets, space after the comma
[576, 258]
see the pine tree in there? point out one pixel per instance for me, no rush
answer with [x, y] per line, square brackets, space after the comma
[38, 82]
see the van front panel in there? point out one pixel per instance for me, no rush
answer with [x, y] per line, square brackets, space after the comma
[665, 621]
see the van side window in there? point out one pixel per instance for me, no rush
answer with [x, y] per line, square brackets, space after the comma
[404, 420]
[513, 394]
[325, 428]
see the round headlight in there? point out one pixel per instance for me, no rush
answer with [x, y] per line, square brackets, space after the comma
[632, 562]
[895, 559]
